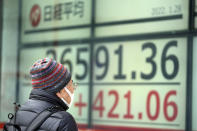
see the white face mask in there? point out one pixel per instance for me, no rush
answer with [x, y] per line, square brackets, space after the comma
[71, 96]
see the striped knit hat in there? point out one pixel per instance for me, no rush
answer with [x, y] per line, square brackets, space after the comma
[49, 75]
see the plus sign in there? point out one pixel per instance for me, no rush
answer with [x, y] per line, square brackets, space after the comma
[80, 104]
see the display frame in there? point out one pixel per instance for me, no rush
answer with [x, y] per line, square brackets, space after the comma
[93, 40]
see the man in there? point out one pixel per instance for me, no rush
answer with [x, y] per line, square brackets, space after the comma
[52, 86]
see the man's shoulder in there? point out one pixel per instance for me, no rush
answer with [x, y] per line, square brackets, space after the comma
[67, 121]
[58, 120]
[64, 115]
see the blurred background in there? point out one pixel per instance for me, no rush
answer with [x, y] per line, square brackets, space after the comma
[134, 60]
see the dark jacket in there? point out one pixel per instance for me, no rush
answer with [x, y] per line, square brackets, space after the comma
[39, 101]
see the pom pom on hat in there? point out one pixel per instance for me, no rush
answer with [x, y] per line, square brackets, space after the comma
[49, 75]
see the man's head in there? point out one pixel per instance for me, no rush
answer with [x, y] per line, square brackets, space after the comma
[52, 77]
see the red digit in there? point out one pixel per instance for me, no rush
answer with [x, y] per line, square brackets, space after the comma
[111, 114]
[100, 107]
[172, 104]
[155, 116]
[128, 97]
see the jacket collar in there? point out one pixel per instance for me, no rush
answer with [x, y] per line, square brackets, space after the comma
[39, 94]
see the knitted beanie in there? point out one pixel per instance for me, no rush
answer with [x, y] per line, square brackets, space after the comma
[49, 75]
